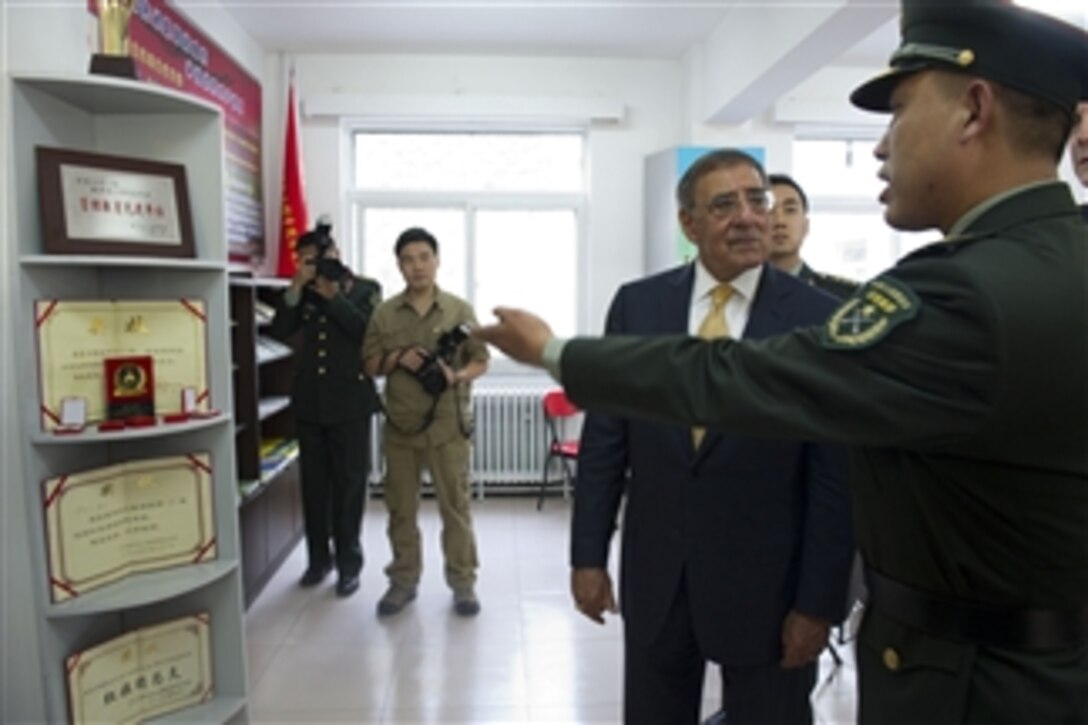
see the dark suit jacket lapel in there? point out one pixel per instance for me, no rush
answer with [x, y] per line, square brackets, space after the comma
[674, 306]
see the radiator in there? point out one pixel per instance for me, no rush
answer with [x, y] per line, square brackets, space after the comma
[508, 444]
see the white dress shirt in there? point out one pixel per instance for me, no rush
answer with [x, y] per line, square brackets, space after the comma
[737, 309]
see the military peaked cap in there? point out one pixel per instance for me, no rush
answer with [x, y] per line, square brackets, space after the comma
[1019, 48]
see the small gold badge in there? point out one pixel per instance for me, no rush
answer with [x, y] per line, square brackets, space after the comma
[128, 380]
[891, 659]
[965, 58]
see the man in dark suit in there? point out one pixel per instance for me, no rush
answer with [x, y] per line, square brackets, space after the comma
[735, 549]
[789, 227]
[332, 400]
[958, 377]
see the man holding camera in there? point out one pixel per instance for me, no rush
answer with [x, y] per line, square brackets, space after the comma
[332, 400]
[418, 340]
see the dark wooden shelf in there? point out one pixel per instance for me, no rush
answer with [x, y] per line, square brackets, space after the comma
[269, 502]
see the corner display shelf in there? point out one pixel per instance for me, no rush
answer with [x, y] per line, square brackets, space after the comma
[130, 119]
[269, 498]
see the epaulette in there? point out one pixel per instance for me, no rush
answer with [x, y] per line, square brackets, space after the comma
[838, 280]
[948, 245]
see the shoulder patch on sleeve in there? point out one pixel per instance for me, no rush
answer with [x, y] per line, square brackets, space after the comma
[867, 317]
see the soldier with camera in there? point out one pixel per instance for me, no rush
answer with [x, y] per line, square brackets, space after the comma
[419, 340]
[333, 400]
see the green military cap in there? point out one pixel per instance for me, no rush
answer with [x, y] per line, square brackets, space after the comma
[1019, 48]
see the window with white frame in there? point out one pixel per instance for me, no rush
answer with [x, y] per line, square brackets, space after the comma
[506, 208]
[847, 232]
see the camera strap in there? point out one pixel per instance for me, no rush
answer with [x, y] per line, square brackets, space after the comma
[427, 419]
[466, 428]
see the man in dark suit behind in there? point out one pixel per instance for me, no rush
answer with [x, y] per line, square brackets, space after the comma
[333, 400]
[789, 227]
[735, 549]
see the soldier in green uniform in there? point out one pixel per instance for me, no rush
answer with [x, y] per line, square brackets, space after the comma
[417, 340]
[789, 227]
[332, 400]
[959, 376]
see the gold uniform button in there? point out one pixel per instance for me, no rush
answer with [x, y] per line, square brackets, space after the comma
[891, 659]
[321, 353]
[321, 371]
[321, 319]
[321, 336]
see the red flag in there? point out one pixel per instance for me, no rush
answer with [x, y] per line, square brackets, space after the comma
[293, 216]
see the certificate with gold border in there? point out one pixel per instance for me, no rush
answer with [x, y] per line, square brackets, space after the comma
[76, 337]
[143, 673]
[108, 523]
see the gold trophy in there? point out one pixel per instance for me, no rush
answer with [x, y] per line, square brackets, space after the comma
[113, 60]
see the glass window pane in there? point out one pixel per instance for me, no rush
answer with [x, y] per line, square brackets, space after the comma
[382, 226]
[528, 258]
[469, 162]
[907, 242]
[837, 168]
[857, 246]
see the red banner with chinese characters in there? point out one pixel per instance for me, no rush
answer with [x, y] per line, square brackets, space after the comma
[294, 217]
[170, 51]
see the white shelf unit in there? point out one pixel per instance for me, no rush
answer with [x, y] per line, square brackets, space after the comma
[118, 117]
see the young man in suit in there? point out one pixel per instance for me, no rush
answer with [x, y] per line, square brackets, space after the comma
[958, 377]
[788, 229]
[735, 549]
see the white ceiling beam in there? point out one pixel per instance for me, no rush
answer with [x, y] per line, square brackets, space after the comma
[761, 51]
[464, 107]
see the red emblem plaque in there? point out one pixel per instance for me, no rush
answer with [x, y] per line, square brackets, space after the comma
[130, 387]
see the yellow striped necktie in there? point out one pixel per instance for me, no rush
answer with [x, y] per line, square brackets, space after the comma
[713, 326]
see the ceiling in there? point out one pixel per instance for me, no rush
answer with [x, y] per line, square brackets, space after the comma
[571, 28]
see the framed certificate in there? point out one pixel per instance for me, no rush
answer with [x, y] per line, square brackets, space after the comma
[76, 338]
[143, 673]
[98, 204]
[107, 523]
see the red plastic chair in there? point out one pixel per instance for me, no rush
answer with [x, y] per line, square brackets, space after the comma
[558, 412]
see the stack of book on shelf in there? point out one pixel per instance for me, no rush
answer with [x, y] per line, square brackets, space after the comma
[264, 312]
[270, 349]
[276, 454]
[247, 488]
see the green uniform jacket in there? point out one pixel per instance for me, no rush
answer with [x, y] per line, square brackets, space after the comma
[330, 386]
[960, 377]
[396, 326]
[838, 287]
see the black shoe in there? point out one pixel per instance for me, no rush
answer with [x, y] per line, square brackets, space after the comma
[717, 718]
[465, 602]
[347, 586]
[312, 577]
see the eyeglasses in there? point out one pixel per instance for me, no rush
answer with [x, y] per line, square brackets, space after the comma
[727, 206]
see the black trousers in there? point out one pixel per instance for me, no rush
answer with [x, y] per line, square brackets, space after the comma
[663, 682]
[334, 462]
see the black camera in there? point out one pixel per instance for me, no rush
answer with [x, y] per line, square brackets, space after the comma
[330, 268]
[430, 373]
[321, 238]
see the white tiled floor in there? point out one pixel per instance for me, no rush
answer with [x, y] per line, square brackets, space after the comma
[528, 656]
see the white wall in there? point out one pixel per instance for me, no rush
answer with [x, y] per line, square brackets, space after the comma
[219, 25]
[49, 38]
[652, 93]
